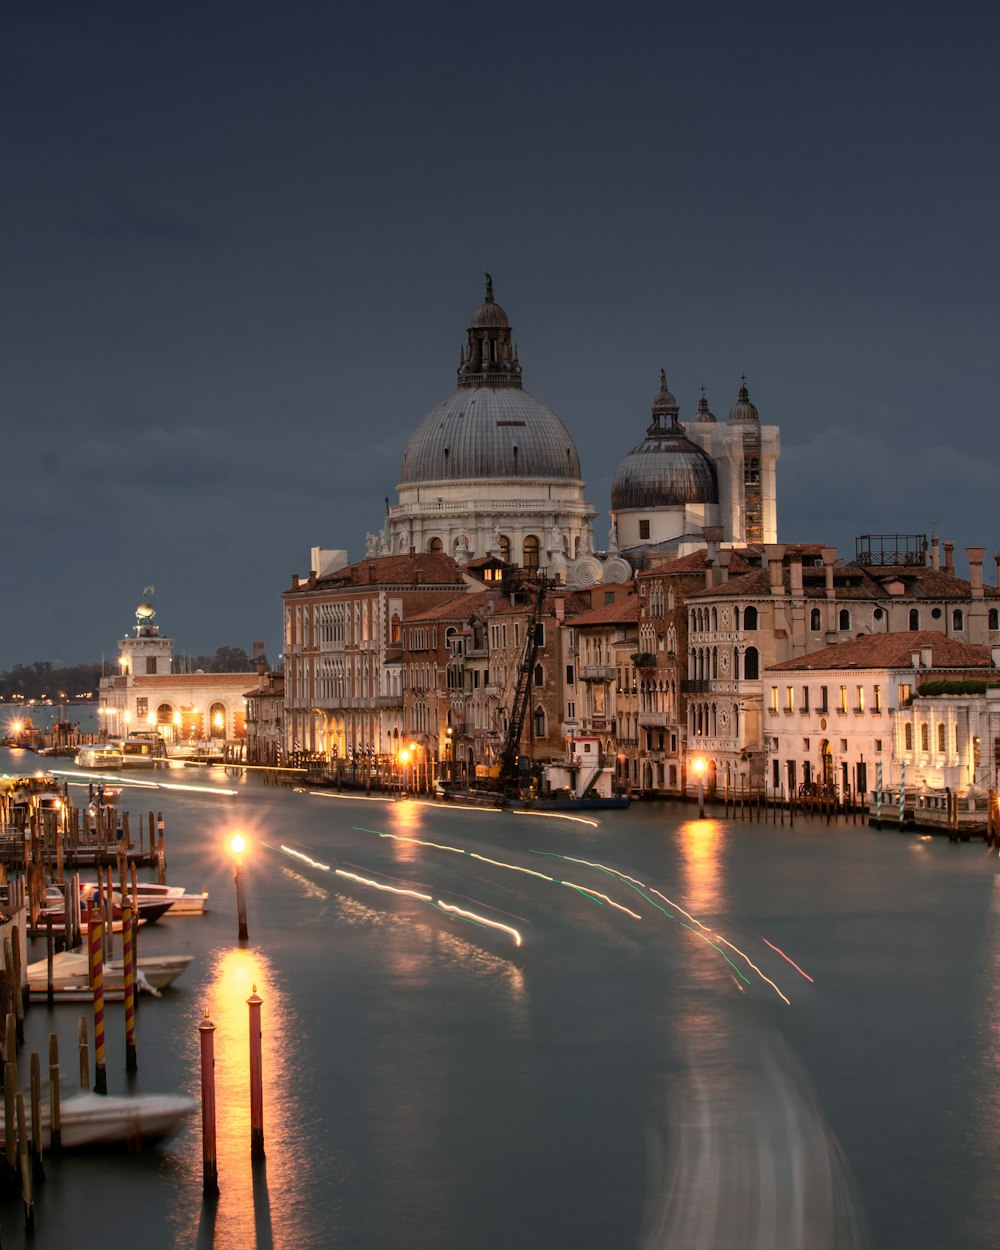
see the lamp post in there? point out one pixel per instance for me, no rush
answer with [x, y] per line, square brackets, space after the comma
[238, 845]
[699, 766]
[404, 759]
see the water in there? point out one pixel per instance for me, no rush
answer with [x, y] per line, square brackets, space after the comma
[612, 1082]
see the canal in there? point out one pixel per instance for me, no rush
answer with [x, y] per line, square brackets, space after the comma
[502, 1030]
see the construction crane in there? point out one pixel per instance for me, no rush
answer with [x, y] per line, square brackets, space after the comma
[522, 691]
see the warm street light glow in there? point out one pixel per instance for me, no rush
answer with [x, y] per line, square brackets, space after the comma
[237, 844]
[404, 756]
[700, 764]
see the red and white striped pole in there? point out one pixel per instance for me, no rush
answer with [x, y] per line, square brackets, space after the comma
[209, 1159]
[95, 941]
[128, 962]
[256, 1078]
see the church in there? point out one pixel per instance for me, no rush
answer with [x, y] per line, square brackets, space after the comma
[491, 470]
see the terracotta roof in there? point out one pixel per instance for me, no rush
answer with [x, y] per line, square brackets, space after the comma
[694, 562]
[190, 679]
[890, 651]
[624, 612]
[425, 568]
[461, 608]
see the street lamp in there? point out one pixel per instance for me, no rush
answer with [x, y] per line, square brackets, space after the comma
[404, 759]
[699, 765]
[237, 844]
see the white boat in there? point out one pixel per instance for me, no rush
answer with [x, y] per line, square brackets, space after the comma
[99, 755]
[102, 1120]
[71, 974]
[143, 750]
[182, 903]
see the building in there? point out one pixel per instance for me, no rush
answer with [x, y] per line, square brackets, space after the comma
[147, 696]
[265, 703]
[843, 718]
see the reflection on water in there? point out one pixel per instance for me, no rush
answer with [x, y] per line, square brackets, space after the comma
[701, 846]
[259, 1206]
[740, 1157]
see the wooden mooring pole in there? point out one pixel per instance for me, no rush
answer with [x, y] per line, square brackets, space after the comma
[209, 1159]
[256, 1078]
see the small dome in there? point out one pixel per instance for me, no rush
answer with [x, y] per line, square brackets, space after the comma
[487, 316]
[743, 410]
[666, 469]
[703, 413]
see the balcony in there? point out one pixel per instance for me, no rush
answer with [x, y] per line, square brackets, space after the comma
[692, 686]
[596, 672]
[654, 720]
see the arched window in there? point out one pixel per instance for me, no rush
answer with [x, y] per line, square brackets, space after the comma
[751, 664]
[908, 736]
[994, 622]
[925, 737]
[736, 618]
[715, 618]
[941, 737]
[505, 548]
[750, 618]
[845, 619]
[958, 619]
[529, 549]
[914, 618]
[539, 722]
[217, 720]
[815, 619]
[435, 544]
[165, 714]
[394, 628]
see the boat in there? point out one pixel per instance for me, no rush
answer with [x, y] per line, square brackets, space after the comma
[71, 976]
[143, 750]
[150, 892]
[99, 755]
[132, 1121]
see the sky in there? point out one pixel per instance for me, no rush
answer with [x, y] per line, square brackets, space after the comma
[242, 242]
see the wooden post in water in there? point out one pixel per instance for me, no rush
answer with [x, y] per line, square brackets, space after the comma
[37, 1157]
[152, 838]
[256, 1078]
[25, 1166]
[9, 1114]
[50, 955]
[128, 960]
[161, 851]
[210, 1167]
[14, 981]
[96, 936]
[55, 1106]
[84, 1047]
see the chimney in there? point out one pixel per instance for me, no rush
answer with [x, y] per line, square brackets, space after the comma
[915, 659]
[413, 551]
[295, 581]
[261, 676]
[995, 656]
[829, 555]
[371, 573]
[926, 658]
[935, 552]
[976, 556]
[725, 556]
[775, 553]
[713, 536]
[949, 557]
[795, 575]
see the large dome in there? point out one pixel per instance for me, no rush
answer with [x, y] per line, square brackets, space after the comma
[666, 469]
[487, 432]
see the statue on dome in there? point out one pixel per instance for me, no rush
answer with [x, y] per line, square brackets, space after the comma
[489, 288]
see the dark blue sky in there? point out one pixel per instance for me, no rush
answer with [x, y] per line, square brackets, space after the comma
[242, 242]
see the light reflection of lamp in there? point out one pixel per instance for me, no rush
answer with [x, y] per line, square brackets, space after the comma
[238, 846]
[699, 765]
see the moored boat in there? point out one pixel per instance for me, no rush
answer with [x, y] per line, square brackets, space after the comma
[99, 755]
[101, 1121]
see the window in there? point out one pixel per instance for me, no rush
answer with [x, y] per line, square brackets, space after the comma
[569, 675]
[843, 745]
[609, 596]
[774, 698]
[774, 744]
[845, 619]
[539, 722]
[151, 664]
[141, 709]
[539, 675]
[957, 619]
[861, 699]
[914, 618]
[751, 664]
[843, 698]
[941, 738]
[750, 618]
[903, 695]
[571, 710]
[925, 744]
[815, 619]
[994, 622]
[878, 746]
[805, 698]
[877, 698]
[789, 698]
[908, 736]
[805, 744]
[529, 552]
[643, 529]
[824, 705]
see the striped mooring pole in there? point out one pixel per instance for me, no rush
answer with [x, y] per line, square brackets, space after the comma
[128, 962]
[95, 940]
[902, 791]
[878, 795]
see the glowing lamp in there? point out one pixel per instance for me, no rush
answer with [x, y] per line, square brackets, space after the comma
[237, 844]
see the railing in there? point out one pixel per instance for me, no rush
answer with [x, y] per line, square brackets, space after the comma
[595, 672]
[657, 720]
[699, 686]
